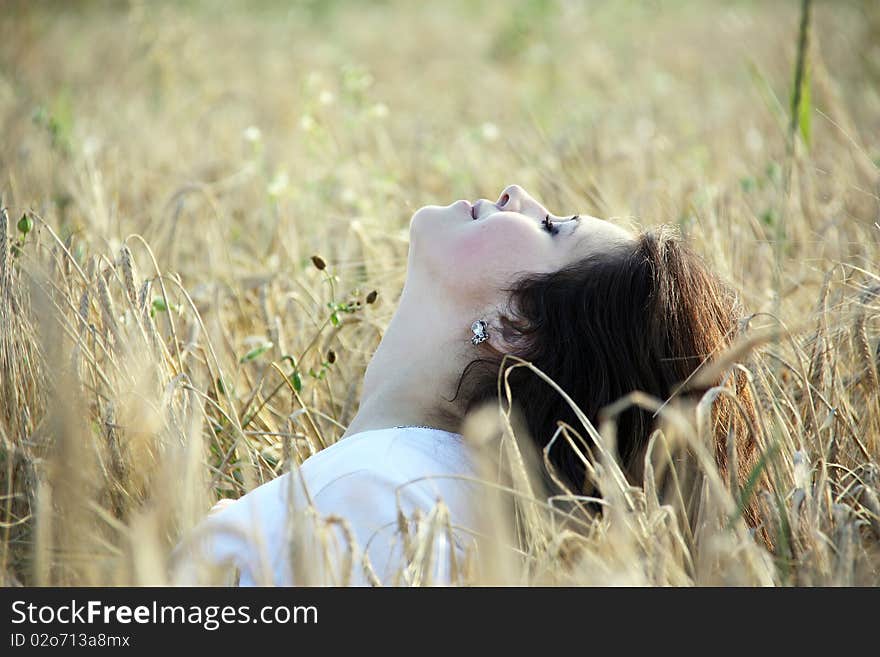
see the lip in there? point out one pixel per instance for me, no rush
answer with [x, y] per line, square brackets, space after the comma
[465, 206]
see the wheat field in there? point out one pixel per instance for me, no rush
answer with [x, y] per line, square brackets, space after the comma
[170, 171]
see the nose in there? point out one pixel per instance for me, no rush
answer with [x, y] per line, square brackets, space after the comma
[515, 199]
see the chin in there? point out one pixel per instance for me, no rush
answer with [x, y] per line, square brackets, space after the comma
[456, 210]
[429, 213]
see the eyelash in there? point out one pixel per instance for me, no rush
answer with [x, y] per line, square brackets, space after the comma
[550, 227]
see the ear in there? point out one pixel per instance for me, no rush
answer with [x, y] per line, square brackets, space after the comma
[500, 339]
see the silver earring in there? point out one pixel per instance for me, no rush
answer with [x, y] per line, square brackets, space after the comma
[479, 329]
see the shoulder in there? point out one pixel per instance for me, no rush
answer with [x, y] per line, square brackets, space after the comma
[392, 520]
[398, 453]
[365, 483]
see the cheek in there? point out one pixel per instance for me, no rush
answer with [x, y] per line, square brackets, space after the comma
[472, 260]
[493, 253]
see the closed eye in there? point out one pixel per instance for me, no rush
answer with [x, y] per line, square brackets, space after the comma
[551, 226]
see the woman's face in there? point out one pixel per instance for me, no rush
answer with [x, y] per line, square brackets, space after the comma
[474, 250]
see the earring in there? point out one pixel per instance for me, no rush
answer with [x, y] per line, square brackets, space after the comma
[479, 329]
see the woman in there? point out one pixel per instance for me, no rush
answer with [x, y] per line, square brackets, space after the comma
[600, 310]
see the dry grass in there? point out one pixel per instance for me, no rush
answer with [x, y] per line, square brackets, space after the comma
[165, 335]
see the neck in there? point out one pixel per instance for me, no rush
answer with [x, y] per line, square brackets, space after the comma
[415, 368]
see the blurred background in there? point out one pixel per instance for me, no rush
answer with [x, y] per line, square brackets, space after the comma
[299, 116]
[170, 169]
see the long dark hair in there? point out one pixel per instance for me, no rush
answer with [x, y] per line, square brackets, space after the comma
[643, 316]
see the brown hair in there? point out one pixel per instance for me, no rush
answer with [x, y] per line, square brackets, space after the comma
[643, 316]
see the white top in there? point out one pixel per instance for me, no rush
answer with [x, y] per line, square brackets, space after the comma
[364, 479]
